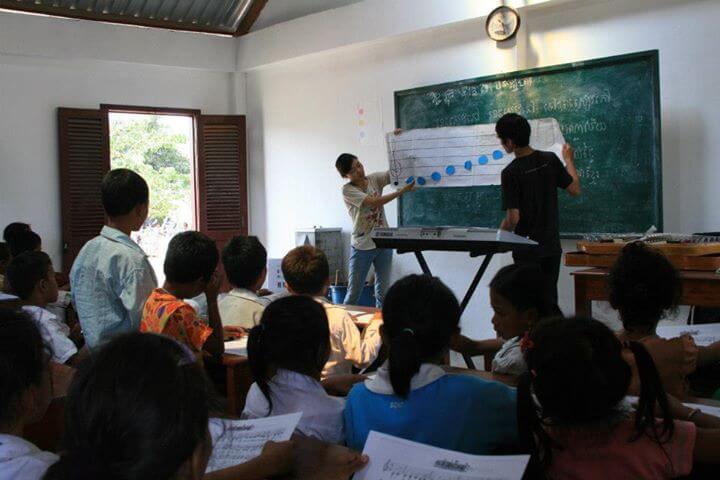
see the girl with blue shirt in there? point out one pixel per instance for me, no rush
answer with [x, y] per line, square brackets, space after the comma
[412, 396]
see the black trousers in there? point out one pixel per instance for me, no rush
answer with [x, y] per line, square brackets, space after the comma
[550, 267]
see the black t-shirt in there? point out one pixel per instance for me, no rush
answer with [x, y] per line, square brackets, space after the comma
[530, 185]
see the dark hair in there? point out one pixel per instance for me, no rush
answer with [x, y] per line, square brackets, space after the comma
[4, 252]
[26, 271]
[512, 126]
[420, 315]
[643, 285]
[122, 190]
[13, 229]
[26, 241]
[190, 255]
[293, 334]
[525, 287]
[137, 409]
[344, 163]
[306, 269]
[579, 377]
[244, 259]
[23, 359]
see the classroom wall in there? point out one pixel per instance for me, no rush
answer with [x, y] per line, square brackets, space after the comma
[301, 114]
[46, 63]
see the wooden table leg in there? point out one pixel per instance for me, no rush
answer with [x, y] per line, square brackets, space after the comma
[583, 304]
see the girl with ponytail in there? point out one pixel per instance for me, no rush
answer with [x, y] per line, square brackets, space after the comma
[287, 351]
[573, 416]
[412, 396]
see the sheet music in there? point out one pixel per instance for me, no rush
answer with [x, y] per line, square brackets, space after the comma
[393, 458]
[703, 334]
[237, 441]
[237, 347]
[460, 156]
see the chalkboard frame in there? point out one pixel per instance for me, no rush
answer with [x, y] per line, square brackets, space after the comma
[649, 55]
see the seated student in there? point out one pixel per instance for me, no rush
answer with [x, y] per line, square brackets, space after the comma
[13, 229]
[32, 278]
[25, 394]
[140, 410]
[306, 272]
[190, 265]
[518, 304]
[644, 286]
[572, 412]
[4, 262]
[111, 277]
[412, 397]
[26, 241]
[287, 352]
[245, 263]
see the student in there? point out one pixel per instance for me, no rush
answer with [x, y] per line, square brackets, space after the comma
[245, 263]
[25, 394]
[571, 410]
[111, 277]
[4, 262]
[32, 278]
[139, 410]
[518, 304]
[412, 397]
[189, 267]
[529, 195]
[306, 272]
[365, 204]
[644, 286]
[13, 229]
[24, 241]
[287, 352]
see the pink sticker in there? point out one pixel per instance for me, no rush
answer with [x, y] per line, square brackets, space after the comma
[361, 111]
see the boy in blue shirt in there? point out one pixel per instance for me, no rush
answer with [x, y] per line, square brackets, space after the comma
[111, 277]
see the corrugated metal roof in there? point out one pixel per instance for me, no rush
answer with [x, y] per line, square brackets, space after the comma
[216, 16]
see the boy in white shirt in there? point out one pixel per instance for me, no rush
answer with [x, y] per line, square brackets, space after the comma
[307, 272]
[245, 262]
[32, 278]
[25, 393]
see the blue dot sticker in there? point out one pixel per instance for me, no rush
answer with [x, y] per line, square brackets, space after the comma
[482, 160]
[497, 155]
[450, 170]
[421, 181]
[468, 165]
[409, 180]
[436, 176]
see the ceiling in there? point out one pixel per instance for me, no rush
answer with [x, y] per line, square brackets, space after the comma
[229, 17]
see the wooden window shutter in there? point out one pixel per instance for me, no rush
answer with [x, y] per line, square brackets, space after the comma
[84, 148]
[222, 176]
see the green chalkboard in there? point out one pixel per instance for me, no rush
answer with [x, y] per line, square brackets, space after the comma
[608, 109]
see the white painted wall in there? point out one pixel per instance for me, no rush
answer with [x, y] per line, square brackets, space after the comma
[48, 63]
[300, 112]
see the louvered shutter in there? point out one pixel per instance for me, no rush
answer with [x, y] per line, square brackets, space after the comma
[84, 148]
[222, 177]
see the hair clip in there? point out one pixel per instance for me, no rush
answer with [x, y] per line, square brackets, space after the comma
[410, 331]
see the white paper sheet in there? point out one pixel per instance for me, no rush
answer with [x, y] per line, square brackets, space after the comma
[703, 334]
[237, 441]
[460, 156]
[365, 317]
[709, 409]
[354, 313]
[393, 458]
[237, 347]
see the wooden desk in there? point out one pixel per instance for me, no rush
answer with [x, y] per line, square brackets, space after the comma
[47, 433]
[361, 323]
[700, 289]
[238, 380]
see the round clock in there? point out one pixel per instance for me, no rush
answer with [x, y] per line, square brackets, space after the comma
[502, 23]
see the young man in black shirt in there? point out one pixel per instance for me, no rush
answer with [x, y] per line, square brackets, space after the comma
[529, 195]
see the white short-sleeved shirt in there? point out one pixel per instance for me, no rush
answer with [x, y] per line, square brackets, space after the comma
[348, 347]
[242, 308]
[292, 392]
[365, 218]
[54, 332]
[20, 459]
[509, 360]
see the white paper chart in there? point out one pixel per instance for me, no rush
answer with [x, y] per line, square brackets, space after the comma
[460, 156]
[237, 441]
[393, 458]
[703, 334]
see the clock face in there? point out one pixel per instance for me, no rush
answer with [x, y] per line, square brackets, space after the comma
[502, 24]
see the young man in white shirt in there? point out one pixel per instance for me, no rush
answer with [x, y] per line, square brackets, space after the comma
[306, 272]
[25, 376]
[32, 278]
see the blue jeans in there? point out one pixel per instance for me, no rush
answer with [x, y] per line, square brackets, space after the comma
[360, 261]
